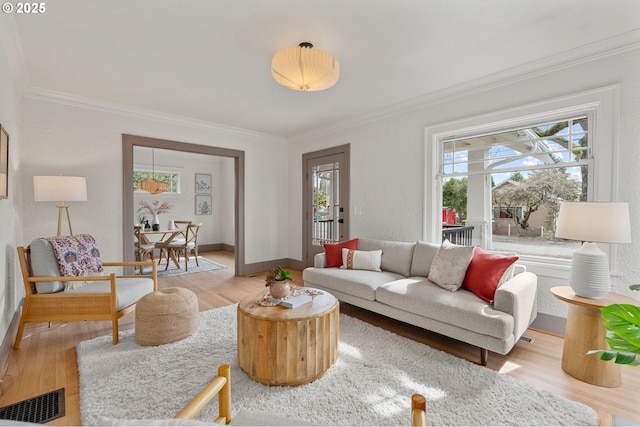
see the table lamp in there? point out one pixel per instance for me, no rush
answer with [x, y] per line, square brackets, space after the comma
[60, 189]
[592, 222]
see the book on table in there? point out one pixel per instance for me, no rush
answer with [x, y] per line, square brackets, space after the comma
[296, 301]
[293, 302]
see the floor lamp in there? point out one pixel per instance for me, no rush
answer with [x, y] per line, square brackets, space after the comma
[592, 222]
[60, 189]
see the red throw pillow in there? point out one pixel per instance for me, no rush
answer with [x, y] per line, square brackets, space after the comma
[334, 251]
[484, 273]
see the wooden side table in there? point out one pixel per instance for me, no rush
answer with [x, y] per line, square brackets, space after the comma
[585, 332]
[283, 346]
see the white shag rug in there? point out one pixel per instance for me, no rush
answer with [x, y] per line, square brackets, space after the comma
[371, 383]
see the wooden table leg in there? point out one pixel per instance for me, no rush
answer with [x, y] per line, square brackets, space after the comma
[585, 332]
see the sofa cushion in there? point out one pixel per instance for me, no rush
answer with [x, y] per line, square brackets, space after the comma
[334, 251]
[358, 283]
[396, 256]
[450, 265]
[423, 256]
[485, 273]
[419, 296]
[361, 260]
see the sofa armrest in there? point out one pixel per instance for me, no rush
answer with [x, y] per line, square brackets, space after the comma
[320, 260]
[518, 298]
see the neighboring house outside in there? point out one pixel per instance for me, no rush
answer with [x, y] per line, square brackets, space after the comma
[504, 222]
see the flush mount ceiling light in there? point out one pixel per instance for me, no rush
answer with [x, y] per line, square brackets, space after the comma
[304, 68]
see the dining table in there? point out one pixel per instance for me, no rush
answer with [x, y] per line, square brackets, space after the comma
[166, 237]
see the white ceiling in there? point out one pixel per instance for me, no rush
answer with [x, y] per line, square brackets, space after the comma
[210, 59]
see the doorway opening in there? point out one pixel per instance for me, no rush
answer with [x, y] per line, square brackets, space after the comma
[131, 141]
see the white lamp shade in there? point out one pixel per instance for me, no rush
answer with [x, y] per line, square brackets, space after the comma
[594, 222]
[305, 68]
[59, 189]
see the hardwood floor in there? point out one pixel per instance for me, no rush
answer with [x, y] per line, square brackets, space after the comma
[47, 358]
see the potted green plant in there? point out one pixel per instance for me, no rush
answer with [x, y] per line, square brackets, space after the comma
[276, 281]
[622, 322]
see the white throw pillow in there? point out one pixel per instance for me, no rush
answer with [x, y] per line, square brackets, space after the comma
[450, 265]
[361, 260]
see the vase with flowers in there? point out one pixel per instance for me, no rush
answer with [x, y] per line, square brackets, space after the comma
[276, 280]
[155, 208]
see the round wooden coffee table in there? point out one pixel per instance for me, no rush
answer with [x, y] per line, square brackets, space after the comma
[288, 346]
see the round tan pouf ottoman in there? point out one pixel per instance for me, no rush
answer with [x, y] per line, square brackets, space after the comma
[166, 316]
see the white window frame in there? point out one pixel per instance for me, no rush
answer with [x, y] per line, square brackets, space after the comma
[600, 105]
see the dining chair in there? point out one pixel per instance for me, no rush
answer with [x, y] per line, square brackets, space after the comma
[142, 246]
[187, 246]
[180, 239]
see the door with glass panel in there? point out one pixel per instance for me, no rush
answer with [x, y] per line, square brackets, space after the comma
[325, 198]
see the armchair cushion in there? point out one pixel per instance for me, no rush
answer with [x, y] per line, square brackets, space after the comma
[77, 255]
[64, 256]
[43, 264]
[129, 290]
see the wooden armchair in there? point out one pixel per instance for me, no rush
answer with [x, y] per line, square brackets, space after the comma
[219, 386]
[103, 297]
[418, 410]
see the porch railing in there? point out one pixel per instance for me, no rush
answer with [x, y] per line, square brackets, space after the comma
[458, 235]
[322, 232]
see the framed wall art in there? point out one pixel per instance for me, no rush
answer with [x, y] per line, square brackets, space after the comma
[203, 205]
[203, 183]
[4, 163]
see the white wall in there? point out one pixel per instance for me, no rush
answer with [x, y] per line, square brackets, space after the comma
[388, 156]
[11, 289]
[69, 139]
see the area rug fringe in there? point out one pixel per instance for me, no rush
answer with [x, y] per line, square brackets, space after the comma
[370, 384]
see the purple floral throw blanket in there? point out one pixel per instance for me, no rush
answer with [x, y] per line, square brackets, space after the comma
[77, 255]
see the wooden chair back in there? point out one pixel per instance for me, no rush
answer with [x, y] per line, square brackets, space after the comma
[418, 410]
[142, 245]
[220, 386]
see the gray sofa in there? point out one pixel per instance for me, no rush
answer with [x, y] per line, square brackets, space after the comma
[402, 291]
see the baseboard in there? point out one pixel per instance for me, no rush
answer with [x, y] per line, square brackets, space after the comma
[260, 267]
[9, 338]
[550, 323]
[216, 247]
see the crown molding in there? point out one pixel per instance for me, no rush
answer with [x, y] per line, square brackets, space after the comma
[77, 101]
[588, 53]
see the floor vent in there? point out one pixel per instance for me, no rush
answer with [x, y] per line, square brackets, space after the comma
[40, 409]
[527, 339]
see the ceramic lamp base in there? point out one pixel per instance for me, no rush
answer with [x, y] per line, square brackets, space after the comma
[589, 276]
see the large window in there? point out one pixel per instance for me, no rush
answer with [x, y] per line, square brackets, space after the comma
[506, 173]
[531, 170]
